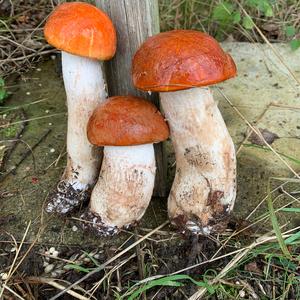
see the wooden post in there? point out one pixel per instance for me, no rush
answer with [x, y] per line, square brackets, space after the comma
[135, 21]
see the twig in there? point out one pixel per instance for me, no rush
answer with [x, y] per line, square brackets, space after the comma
[11, 147]
[56, 285]
[12, 291]
[25, 155]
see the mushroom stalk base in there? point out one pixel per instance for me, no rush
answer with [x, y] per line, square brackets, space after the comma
[204, 188]
[124, 189]
[85, 89]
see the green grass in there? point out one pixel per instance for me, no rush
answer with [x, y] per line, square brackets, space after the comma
[232, 18]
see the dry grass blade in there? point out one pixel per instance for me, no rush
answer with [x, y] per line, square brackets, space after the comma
[12, 269]
[56, 285]
[32, 119]
[12, 291]
[101, 267]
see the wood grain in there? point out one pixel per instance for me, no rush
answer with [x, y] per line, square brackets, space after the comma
[135, 21]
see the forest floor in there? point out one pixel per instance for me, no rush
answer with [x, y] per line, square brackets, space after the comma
[257, 257]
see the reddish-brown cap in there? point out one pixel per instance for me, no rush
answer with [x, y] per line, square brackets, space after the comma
[81, 29]
[126, 121]
[180, 59]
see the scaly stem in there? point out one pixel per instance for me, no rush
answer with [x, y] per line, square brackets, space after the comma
[85, 89]
[123, 190]
[204, 189]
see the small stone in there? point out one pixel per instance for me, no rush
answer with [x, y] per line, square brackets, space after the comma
[51, 250]
[74, 228]
[13, 249]
[86, 259]
[50, 124]
[28, 93]
[55, 253]
[54, 274]
[53, 57]
[47, 111]
[242, 294]
[49, 268]
[39, 84]
[39, 69]
[52, 150]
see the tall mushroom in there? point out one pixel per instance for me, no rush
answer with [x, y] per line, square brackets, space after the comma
[180, 64]
[85, 35]
[127, 126]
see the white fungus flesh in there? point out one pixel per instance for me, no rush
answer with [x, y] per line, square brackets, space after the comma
[204, 188]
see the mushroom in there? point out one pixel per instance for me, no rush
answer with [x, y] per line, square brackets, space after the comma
[85, 35]
[180, 64]
[127, 127]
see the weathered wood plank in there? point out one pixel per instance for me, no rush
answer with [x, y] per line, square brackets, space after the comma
[135, 21]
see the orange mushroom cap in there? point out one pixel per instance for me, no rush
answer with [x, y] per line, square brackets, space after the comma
[180, 59]
[81, 29]
[126, 121]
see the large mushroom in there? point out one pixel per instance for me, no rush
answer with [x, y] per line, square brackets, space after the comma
[127, 126]
[86, 36]
[180, 64]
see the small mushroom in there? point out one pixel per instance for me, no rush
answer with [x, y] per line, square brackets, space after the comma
[85, 35]
[127, 126]
[180, 64]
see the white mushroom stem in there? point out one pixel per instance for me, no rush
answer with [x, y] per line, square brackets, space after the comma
[85, 89]
[204, 188]
[124, 188]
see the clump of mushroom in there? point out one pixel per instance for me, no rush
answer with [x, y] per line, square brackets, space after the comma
[180, 64]
[127, 127]
[85, 35]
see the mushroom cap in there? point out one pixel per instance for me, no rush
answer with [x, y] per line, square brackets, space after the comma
[81, 29]
[126, 121]
[180, 59]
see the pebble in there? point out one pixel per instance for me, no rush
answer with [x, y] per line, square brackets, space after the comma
[54, 274]
[242, 294]
[49, 268]
[51, 250]
[55, 253]
[74, 228]
[52, 150]
[4, 276]
[28, 93]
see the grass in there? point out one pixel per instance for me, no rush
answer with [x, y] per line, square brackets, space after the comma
[235, 20]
